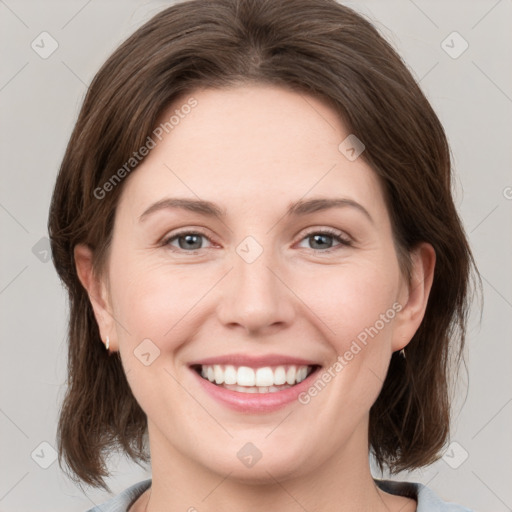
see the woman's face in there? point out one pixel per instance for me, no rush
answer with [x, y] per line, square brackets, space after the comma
[260, 294]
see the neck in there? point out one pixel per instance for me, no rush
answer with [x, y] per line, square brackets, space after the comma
[343, 483]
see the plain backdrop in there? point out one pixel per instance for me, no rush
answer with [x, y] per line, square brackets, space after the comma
[467, 76]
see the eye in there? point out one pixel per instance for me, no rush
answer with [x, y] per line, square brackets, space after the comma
[321, 238]
[188, 241]
[191, 241]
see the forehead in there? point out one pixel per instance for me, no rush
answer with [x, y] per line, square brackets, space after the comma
[250, 146]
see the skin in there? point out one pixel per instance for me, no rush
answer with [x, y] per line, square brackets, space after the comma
[253, 150]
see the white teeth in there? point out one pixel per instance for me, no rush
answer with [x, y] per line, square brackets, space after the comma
[279, 375]
[218, 374]
[229, 375]
[264, 376]
[259, 380]
[245, 376]
[290, 375]
[255, 389]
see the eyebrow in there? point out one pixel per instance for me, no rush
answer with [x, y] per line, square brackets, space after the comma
[298, 208]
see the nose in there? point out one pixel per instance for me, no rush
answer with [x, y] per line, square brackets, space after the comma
[255, 296]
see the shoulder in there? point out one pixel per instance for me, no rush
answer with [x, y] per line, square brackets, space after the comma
[124, 500]
[428, 500]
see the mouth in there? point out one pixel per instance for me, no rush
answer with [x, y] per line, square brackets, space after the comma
[256, 380]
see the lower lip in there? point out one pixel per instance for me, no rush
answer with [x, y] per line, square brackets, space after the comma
[255, 402]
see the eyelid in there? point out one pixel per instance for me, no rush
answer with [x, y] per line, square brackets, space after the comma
[185, 231]
[344, 240]
[328, 231]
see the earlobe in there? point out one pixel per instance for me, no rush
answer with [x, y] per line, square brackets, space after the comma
[423, 259]
[96, 290]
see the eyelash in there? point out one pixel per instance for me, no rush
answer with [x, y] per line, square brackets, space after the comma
[343, 242]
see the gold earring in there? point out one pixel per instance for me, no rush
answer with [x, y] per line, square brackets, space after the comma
[107, 344]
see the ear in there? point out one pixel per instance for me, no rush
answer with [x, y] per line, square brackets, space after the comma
[97, 291]
[414, 295]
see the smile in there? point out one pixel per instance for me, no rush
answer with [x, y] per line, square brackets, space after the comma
[244, 379]
[254, 384]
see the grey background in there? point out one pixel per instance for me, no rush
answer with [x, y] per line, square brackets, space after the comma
[40, 99]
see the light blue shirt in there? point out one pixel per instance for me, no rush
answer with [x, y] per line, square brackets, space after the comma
[427, 500]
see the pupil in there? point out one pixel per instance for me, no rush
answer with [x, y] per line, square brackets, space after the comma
[316, 238]
[189, 242]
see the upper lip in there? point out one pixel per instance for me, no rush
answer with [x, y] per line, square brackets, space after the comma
[254, 361]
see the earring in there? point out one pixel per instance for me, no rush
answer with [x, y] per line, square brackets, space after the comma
[402, 353]
[107, 344]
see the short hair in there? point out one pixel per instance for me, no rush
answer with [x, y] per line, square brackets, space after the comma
[314, 47]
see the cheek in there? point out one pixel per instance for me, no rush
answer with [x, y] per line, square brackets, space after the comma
[355, 299]
[359, 308]
[156, 301]
[154, 308]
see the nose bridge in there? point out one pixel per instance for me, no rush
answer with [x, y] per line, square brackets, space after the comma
[256, 298]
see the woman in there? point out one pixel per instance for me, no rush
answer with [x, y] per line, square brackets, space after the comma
[254, 216]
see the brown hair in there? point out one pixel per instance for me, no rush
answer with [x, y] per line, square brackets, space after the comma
[316, 47]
